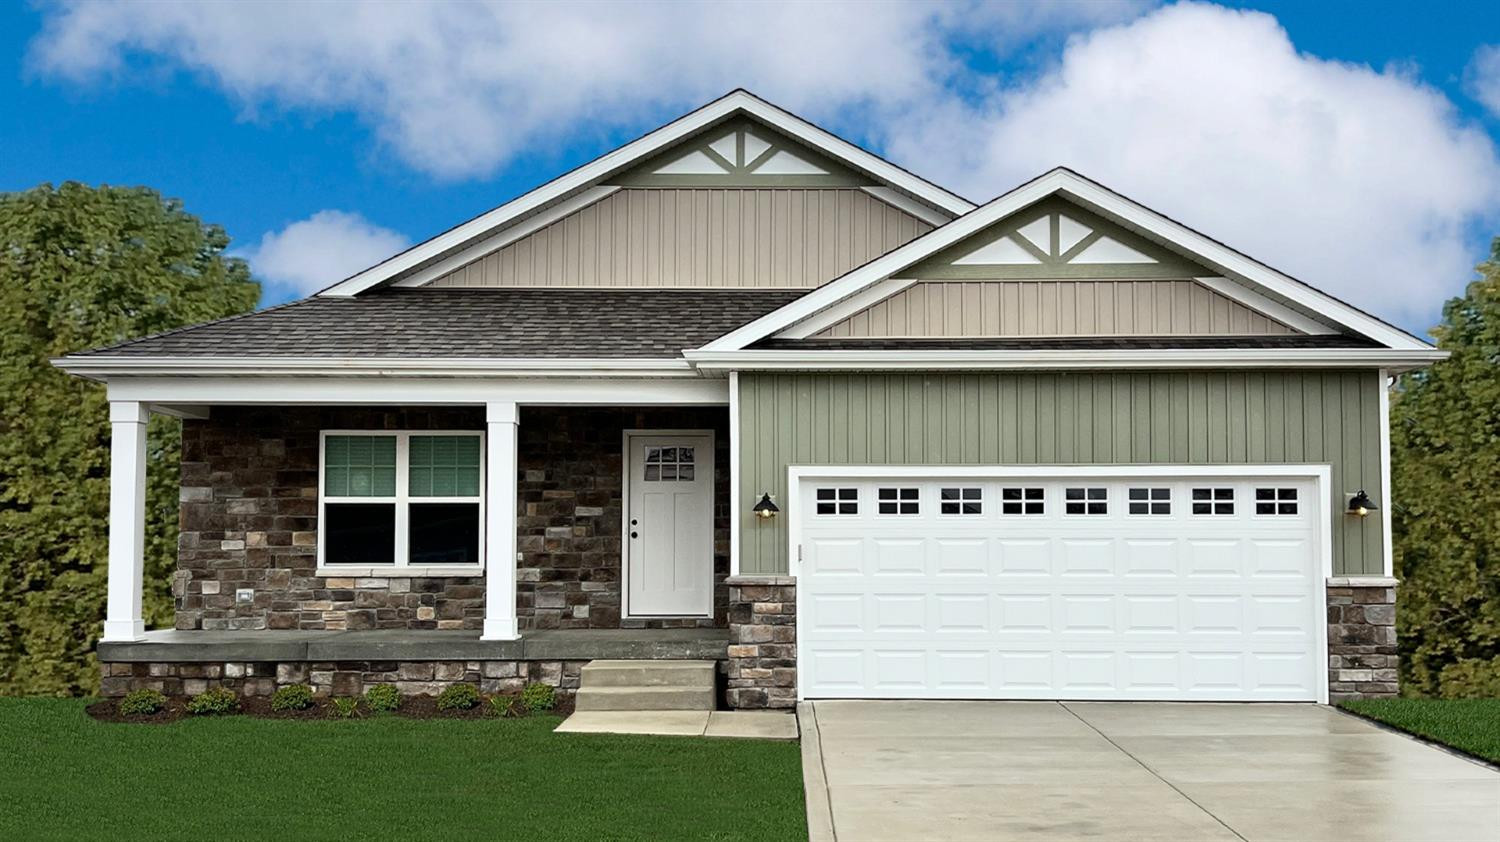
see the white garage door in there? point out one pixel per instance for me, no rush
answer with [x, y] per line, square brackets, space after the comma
[1060, 587]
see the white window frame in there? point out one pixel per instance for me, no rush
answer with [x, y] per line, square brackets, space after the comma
[402, 502]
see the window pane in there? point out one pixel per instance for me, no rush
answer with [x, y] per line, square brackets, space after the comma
[444, 466]
[359, 466]
[359, 533]
[444, 533]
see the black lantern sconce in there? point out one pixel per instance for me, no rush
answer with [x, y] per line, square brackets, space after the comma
[765, 509]
[1360, 504]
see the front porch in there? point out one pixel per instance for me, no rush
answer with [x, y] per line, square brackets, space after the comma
[345, 663]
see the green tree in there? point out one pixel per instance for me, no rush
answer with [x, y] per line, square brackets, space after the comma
[1445, 472]
[82, 267]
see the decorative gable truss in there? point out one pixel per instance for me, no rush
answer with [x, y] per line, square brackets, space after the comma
[742, 154]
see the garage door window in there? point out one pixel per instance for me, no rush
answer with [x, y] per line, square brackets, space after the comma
[1150, 501]
[962, 501]
[1086, 501]
[1023, 501]
[898, 501]
[1276, 501]
[838, 501]
[1213, 501]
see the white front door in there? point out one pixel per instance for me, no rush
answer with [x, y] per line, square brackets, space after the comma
[1150, 587]
[669, 542]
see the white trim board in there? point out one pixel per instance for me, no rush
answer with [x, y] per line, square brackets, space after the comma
[814, 359]
[353, 391]
[101, 366]
[1320, 474]
[738, 101]
[1094, 197]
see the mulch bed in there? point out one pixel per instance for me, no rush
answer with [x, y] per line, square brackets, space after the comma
[412, 707]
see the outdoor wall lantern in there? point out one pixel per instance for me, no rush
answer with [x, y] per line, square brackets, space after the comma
[1361, 504]
[765, 509]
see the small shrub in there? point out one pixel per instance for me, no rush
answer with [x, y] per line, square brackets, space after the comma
[344, 707]
[216, 701]
[383, 698]
[507, 706]
[538, 696]
[292, 697]
[458, 697]
[142, 702]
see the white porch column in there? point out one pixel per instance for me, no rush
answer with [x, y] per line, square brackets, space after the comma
[127, 520]
[500, 523]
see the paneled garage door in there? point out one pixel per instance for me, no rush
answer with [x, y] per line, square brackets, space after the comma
[1060, 587]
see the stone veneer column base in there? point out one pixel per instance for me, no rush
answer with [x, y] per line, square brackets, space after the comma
[336, 678]
[762, 642]
[1362, 657]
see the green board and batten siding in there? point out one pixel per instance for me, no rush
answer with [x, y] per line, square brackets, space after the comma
[1015, 418]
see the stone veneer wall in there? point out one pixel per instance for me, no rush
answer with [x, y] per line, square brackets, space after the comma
[249, 505]
[341, 678]
[571, 462]
[762, 669]
[249, 521]
[1362, 656]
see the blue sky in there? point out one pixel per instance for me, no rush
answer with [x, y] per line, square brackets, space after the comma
[1325, 123]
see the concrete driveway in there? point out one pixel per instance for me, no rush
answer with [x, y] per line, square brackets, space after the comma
[1132, 771]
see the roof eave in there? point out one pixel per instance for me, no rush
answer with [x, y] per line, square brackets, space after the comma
[1069, 359]
[101, 367]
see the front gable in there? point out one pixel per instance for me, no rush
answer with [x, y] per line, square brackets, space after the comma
[1059, 256]
[745, 153]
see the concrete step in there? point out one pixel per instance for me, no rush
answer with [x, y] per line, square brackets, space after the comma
[645, 698]
[648, 674]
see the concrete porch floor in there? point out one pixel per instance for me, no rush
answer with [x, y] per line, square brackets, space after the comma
[172, 645]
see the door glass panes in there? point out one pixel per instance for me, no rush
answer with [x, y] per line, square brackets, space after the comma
[961, 501]
[1086, 501]
[1150, 501]
[1213, 501]
[1019, 500]
[670, 464]
[838, 501]
[898, 501]
[359, 466]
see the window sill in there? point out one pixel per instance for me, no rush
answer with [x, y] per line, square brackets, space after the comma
[390, 572]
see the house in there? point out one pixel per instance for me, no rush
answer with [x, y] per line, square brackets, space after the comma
[740, 390]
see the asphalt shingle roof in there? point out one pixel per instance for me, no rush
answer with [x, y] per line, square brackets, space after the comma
[483, 323]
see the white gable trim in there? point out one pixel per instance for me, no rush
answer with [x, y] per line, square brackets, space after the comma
[900, 201]
[506, 236]
[1266, 306]
[1062, 359]
[785, 321]
[644, 147]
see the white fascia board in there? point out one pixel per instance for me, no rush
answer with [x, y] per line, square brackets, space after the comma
[1266, 306]
[505, 237]
[104, 367]
[333, 391]
[638, 149]
[856, 303]
[902, 202]
[1096, 198]
[1054, 359]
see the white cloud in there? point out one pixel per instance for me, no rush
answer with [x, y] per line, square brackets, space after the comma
[1482, 78]
[457, 89]
[325, 248]
[1366, 183]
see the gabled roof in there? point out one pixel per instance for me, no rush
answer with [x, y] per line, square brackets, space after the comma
[873, 281]
[574, 186]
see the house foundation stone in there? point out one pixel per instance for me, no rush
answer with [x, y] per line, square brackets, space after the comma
[1362, 656]
[762, 667]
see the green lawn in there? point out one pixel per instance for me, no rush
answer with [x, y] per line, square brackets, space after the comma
[63, 774]
[1470, 725]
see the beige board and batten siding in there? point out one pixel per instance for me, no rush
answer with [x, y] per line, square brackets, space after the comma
[1014, 418]
[709, 237]
[1056, 308]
